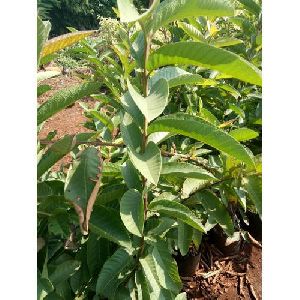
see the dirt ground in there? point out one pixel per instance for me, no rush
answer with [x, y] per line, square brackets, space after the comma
[227, 277]
[219, 276]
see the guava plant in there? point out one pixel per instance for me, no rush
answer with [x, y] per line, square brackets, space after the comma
[164, 162]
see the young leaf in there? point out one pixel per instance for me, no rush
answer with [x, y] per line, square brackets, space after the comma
[243, 134]
[216, 210]
[204, 55]
[148, 163]
[171, 10]
[153, 105]
[103, 118]
[177, 210]
[185, 237]
[225, 42]
[64, 98]
[132, 212]
[186, 170]
[202, 131]
[193, 32]
[106, 222]
[131, 108]
[111, 273]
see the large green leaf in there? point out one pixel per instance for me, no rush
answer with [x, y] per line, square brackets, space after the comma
[82, 177]
[202, 131]
[153, 105]
[244, 134]
[254, 189]
[177, 210]
[215, 210]
[166, 267]
[107, 223]
[148, 163]
[131, 108]
[63, 271]
[185, 237]
[132, 212]
[176, 76]
[171, 10]
[186, 170]
[43, 29]
[204, 55]
[64, 98]
[112, 273]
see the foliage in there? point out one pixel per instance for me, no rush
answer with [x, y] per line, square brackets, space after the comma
[175, 150]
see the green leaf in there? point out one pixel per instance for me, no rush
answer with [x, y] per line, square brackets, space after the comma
[191, 185]
[225, 42]
[129, 13]
[192, 31]
[107, 223]
[97, 253]
[131, 176]
[43, 29]
[41, 89]
[82, 177]
[142, 287]
[166, 268]
[111, 275]
[131, 134]
[216, 210]
[254, 188]
[204, 55]
[148, 266]
[44, 287]
[63, 271]
[132, 212]
[251, 6]
[171, 10]
[181, 296]
[131, 108]
[176, 76]
[148, 163]
[186, 170]
[202, 131]
[177, 210]
[103, 118]
[153, 105]
[64, 98]
[243, 134]
[185, 237]
[57, 151]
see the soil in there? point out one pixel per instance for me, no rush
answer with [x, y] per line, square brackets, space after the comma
[67, 121]
[218, 275]
[221, 277]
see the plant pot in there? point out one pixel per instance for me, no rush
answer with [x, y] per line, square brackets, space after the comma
[188, 264]
[227, 245]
